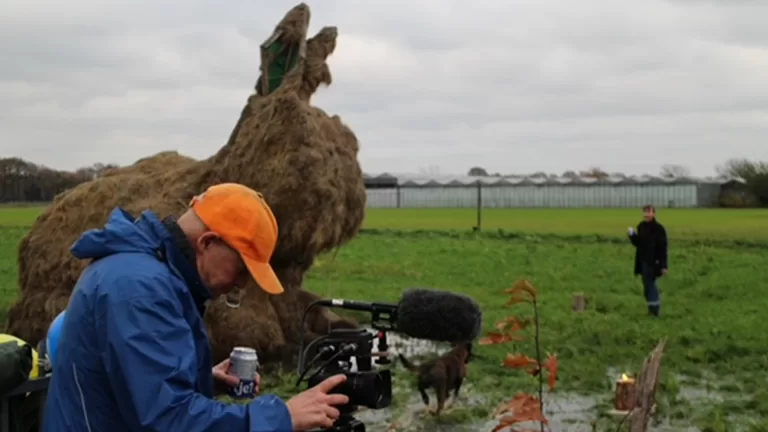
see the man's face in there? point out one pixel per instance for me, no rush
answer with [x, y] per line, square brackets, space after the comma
[648, 215]
[219, 265]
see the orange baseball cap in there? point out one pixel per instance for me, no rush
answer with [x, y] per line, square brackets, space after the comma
[243, 219]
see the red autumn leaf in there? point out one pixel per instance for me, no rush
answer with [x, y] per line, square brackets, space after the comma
[550, 364]
[520, 287]
[528, 287]
[521, 409]
[503, 324]
[530, 416]
[515, 299]
[522, 403]
[511, 324]
[504, 425]
[494, 338]
[519, 361]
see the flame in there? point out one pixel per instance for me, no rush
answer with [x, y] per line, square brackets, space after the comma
[626, 379]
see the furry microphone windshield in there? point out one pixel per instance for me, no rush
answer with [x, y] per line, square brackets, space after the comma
[438, 315]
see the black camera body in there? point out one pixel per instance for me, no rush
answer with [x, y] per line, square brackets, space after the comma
[366, 386]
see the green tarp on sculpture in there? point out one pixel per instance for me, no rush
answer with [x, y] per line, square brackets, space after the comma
[285, 58]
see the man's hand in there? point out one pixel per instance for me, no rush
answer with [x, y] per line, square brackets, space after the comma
[314, 408]
[221, 373]
[664, 272]
[630, 231]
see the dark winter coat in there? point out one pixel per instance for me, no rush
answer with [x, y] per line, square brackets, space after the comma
[650, 243]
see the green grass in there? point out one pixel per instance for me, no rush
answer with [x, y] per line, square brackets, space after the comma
[713, 304]
[19, 216]
[9, 241]
[681, 223]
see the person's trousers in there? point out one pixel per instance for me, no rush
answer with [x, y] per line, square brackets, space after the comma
[650, 289]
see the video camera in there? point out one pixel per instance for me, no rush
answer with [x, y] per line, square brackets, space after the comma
[366, 385]
[420, 313]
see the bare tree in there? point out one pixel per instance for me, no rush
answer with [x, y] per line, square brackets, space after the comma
[477, 172]
[594, 172]
[674, 171]
[754, 173]
[22, 181]
[742, 168]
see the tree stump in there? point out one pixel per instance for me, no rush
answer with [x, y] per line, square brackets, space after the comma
[579, 302]
[626, 394]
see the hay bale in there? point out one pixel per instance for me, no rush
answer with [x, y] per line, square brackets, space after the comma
[303, 161]
[152, 164]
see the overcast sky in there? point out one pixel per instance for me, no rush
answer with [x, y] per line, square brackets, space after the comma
[512, 86]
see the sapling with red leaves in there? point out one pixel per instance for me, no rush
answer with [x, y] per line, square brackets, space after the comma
[524, 407]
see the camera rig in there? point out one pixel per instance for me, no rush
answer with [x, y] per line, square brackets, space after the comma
[332, 354]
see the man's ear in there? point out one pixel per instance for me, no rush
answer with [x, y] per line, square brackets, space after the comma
[206, 240]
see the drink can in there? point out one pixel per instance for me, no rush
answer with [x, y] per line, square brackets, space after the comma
[244, 364]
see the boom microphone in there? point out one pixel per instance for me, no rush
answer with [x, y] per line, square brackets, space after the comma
[438, 315]
[424, 314]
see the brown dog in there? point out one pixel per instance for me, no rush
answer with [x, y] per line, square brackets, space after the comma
[444, 374]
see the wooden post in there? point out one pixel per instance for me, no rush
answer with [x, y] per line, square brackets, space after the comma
[479, 225]
[646, 394]
[579, 302]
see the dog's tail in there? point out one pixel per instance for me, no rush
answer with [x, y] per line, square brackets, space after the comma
[407, 363]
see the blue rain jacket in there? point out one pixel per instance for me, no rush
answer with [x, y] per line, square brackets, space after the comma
[134, 353]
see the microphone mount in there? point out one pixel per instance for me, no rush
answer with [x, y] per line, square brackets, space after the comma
[383, 315]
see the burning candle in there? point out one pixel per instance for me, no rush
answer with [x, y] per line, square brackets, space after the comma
[626, 393]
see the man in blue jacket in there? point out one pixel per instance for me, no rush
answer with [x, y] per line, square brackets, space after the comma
[133, 352]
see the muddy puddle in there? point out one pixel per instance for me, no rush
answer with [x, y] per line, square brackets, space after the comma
[566, 412]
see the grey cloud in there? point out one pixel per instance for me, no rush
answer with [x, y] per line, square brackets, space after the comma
[513, 86]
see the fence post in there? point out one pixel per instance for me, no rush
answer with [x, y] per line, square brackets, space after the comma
[397, 189]
[479, 225]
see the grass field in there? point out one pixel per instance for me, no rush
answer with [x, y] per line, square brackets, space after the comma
[682, 223]
[716, 367]
[732, 225]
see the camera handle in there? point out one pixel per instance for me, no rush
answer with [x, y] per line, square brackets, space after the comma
[383, 347]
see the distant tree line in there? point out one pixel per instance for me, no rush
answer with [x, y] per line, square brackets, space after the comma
[667, 171]
[23, 181]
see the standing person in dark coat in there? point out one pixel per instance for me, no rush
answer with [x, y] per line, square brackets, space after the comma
[650, 242]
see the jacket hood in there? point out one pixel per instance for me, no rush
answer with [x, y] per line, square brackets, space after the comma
[122, 233]
[146, 234]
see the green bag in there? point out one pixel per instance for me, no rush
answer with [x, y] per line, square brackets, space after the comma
[15, 365]
[285, 59]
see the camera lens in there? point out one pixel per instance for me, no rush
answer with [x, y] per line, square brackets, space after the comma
[369, 389]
